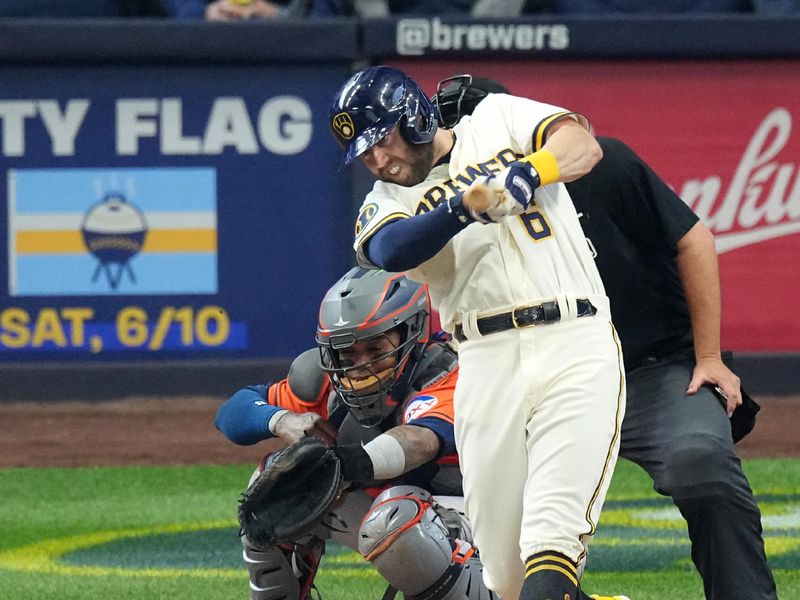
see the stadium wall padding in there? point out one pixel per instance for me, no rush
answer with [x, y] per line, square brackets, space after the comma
[174, 203]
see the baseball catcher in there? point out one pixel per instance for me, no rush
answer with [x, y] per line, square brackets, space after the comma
[370, 460]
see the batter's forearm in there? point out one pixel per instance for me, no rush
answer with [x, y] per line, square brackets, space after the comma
[407, 243]
[575, 150]
[698, 268]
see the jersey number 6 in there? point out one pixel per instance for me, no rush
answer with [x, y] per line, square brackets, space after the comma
[535, 224]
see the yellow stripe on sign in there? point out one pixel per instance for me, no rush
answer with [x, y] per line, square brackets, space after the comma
[181, 240]
[157, 240]
[50, 242]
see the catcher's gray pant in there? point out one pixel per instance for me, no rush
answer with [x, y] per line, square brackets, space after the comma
[684, 443]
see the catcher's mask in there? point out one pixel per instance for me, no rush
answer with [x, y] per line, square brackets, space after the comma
[390, 313]
[458, 95]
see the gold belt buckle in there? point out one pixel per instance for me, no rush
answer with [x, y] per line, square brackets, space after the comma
[514, 318]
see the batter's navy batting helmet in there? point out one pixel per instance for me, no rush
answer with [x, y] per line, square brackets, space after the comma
[363, 305]
[372, 102]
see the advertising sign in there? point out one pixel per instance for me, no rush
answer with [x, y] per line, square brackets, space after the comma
[167, 213]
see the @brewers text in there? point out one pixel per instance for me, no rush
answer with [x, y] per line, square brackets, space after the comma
[415, 36]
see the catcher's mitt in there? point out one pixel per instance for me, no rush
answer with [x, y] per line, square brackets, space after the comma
[291, 496]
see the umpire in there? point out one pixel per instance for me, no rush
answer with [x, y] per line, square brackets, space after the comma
[659, 267]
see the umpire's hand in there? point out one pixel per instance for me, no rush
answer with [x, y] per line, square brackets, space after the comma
[293, 426]
[713, 371]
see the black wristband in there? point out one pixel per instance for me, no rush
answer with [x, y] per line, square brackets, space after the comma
[356, 463]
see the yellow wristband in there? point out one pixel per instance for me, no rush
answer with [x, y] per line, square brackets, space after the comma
[545, 164]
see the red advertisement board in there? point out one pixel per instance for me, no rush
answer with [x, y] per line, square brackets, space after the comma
[725, 135]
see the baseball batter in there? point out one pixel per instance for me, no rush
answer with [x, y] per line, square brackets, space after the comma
[646, 240]
[540, 397]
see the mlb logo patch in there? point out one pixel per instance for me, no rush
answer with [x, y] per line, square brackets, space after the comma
[112, 231]
[418, 407]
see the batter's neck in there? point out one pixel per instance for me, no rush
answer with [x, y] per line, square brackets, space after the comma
[443, 143]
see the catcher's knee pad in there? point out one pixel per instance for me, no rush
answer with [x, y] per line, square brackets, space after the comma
[418, 546]
[283, 572]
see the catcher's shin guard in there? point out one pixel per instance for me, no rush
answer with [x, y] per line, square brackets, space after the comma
[283, 572]
[419, 547]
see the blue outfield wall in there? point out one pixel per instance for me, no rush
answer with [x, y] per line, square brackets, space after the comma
[172, 199]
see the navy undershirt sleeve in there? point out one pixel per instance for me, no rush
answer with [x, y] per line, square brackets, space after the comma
[443, 430]
[244, 417]
[407, 243]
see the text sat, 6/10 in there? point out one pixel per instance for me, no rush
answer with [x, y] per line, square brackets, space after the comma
[76, 328]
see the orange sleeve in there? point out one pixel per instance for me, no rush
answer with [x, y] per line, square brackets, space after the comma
[280, 394]
[434, 401]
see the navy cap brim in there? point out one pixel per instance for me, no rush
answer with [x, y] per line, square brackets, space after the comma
[366, 140]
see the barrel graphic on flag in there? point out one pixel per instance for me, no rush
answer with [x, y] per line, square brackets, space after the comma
[112, 231]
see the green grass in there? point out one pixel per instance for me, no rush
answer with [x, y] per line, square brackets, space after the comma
[158, 532]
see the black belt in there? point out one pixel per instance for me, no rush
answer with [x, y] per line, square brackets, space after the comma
[525, 316]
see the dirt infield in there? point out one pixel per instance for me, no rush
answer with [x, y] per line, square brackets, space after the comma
[180, 431]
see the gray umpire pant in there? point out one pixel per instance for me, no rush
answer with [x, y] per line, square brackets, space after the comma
[684, 443]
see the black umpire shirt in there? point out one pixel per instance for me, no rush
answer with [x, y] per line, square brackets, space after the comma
[633, 222]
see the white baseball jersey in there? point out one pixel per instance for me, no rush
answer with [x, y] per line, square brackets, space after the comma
[523, 259]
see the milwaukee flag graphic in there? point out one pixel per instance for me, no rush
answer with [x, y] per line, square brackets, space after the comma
[112, 231]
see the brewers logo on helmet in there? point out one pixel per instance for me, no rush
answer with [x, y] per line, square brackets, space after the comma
[343, 125]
